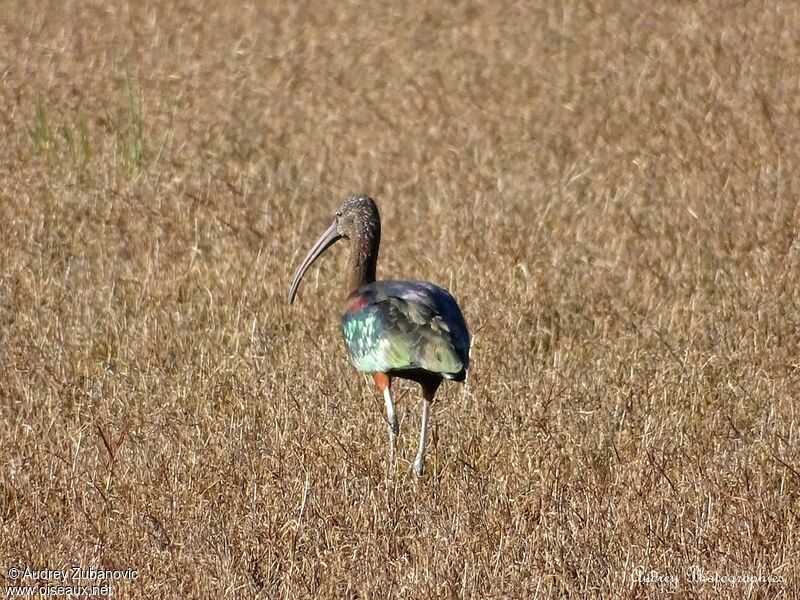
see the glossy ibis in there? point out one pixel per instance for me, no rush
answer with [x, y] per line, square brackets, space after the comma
[406, 329]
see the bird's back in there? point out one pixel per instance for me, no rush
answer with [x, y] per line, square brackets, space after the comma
[406, 326]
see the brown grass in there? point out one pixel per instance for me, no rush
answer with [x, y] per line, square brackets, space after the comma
[610, 192]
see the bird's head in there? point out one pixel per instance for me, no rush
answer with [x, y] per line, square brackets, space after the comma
[357, 217]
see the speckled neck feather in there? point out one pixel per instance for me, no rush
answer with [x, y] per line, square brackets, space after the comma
[365, 240]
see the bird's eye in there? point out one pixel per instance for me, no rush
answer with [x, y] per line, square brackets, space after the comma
[338, 214]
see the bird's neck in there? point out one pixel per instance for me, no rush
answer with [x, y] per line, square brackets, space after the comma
[364, 255]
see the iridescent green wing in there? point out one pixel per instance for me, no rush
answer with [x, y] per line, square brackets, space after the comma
[396, 326]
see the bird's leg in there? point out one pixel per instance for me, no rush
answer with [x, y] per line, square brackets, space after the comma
[419, 462]
[384, 383]
[428, 391]
[394, 427]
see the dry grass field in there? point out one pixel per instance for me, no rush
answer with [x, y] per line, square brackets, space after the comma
[609, 189]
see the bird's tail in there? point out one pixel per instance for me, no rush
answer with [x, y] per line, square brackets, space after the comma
[460, 376]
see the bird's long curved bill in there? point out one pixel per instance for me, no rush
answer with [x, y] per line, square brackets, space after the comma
[326, 239]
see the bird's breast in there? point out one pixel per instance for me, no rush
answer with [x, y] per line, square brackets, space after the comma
[355, 303]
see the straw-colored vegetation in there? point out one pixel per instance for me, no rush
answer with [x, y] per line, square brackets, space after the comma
[609, 189]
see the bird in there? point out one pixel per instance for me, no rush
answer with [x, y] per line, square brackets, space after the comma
[412, 330]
